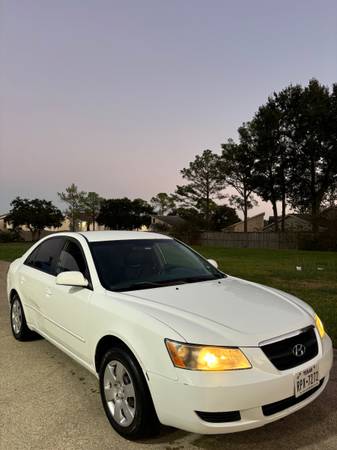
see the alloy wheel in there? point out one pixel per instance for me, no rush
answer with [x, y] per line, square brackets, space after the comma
[119, 393]
[16, 316]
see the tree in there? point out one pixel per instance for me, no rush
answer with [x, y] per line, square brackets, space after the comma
[271, 154]
[92, 203]
[75, 200]
[141, 213]
[237, 166]
[163, 203]
[295, 137]
[330, 198]
[223, 216]
[192, 216]
[205, 184]
[36, 214]
[124, 214]
[311, 129]
[243, 203]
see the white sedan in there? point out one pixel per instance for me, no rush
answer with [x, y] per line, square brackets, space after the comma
[172, 339]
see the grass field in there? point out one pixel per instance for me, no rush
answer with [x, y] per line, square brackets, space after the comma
[316, 283]
[11, 251]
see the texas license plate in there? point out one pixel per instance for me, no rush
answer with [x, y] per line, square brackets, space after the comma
[306, 380]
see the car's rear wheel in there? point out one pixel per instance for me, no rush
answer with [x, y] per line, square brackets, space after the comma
[126, 397]
[20, 330]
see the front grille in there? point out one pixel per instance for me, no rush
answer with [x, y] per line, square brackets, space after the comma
[219, 417]
[273, 408]
[281, 353]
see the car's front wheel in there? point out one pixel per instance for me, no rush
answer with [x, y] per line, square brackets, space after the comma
[126, 397]
[20, 330]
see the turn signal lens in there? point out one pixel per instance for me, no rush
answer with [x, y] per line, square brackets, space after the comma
[195, 357]
[320, 326]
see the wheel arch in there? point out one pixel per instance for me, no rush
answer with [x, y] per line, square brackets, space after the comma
[111, 341]
[12, 293]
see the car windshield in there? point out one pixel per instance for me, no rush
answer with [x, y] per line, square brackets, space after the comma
[127, 265]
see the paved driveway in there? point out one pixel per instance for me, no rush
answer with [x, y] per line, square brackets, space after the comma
[47, 401]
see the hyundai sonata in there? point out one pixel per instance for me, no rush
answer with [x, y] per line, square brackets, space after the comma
[172, 339]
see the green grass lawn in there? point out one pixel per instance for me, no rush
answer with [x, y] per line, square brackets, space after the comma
[13, 250]
[316, 283]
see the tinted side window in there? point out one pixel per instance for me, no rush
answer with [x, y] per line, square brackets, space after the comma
[47, 255]
[30, 261]
[71, 258]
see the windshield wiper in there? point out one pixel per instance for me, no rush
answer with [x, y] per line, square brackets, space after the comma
[155, 284]
[139, 285]
[149, 285]
[196, 279]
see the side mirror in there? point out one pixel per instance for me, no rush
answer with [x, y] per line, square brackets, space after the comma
[213, 262]
[71, 279]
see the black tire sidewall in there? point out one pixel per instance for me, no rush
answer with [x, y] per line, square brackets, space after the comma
[145, 417]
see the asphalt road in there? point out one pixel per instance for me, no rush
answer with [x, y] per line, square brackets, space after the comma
[47, 401]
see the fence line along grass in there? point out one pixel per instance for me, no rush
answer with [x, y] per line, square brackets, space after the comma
[311, 276]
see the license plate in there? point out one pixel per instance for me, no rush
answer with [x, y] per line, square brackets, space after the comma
[306, 380]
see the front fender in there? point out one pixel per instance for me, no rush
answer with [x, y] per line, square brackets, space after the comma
[143, 334]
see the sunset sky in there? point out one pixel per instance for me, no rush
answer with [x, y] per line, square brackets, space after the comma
[118, 96]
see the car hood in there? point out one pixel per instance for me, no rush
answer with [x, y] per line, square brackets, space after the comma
[229, 311]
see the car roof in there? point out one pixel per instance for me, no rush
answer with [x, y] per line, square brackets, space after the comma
[99, 236]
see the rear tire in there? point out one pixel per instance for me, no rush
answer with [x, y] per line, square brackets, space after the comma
[20, 330]
[126, 397]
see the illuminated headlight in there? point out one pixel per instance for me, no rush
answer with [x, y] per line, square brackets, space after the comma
[319, 326]
[197, 357]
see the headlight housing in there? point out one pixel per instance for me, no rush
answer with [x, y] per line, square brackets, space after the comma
[319, 326]
[208, 358]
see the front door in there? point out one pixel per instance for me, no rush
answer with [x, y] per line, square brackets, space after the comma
[66, 308]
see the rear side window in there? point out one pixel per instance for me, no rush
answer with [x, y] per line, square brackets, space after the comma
[71, 259]
[44, 257]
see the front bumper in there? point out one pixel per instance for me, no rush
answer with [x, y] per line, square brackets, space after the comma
[246, 391]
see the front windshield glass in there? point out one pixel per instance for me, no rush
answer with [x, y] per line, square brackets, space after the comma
[127, 265]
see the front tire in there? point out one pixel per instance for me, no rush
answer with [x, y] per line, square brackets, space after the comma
[125, 396]
[20, 330]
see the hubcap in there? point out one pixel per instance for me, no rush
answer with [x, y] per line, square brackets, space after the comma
[16, 316]
[119, 393]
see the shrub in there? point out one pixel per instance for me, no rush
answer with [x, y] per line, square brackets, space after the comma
[186, 232]
[322, 241]
[10, 236]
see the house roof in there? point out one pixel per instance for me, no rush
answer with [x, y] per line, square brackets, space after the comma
[171, 220]
[279, 220]
[241, 221]
[299, 217]
[329, 208]
[329, 213]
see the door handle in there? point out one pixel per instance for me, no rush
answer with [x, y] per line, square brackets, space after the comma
[48, 292]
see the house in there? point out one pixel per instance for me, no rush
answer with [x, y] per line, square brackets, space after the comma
[161, 223]
[254, 223]
[3, 224]
[82, 225]
[293, 222]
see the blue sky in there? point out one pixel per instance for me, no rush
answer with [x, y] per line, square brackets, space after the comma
[118, 96]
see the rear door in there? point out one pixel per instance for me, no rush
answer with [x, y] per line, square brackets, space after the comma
[67, 306]
[36, 277]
